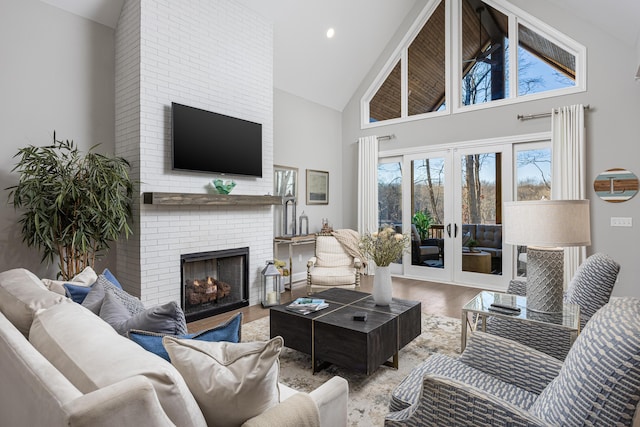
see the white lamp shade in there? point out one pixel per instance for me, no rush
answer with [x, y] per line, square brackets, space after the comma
[547, 223]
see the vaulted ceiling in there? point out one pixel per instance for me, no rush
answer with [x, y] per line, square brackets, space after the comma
[328, 71]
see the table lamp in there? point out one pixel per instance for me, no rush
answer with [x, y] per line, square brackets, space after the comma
[546, 227]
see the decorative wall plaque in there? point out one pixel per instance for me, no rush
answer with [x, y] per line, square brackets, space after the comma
[616, 185]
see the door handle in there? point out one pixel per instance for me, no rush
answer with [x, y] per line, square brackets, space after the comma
[449, 230]
[455, 231]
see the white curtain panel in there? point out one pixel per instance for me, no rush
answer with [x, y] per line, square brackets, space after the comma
[368, 187]
[568, 177]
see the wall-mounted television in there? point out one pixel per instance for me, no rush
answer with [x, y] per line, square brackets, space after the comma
[204, 141]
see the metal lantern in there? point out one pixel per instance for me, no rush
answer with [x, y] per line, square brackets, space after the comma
[271, 285]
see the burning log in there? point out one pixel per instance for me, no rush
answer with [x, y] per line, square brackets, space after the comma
[202, 291]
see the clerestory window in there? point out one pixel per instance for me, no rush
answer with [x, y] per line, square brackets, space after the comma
[463, 50]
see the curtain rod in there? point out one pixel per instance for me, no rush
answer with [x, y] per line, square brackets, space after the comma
[386, 137]
[541, 115]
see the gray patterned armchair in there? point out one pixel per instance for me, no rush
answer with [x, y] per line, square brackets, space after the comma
[501, 382]
[590, 289]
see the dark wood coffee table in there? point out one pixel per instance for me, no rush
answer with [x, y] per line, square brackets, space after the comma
[332, 336]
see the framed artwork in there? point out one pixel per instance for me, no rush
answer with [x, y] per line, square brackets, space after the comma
[317, 187]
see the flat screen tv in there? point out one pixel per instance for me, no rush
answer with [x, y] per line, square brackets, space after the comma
[205, 141]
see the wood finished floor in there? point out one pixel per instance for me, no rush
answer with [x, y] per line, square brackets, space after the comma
[436, 298]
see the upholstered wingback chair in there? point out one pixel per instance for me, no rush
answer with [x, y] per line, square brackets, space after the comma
[590, 289]
[332, 266]
[501, 382]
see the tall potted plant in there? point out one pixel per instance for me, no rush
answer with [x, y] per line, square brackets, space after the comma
[73, 205]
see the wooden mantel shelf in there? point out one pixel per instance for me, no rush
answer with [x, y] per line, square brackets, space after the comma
[208, 199]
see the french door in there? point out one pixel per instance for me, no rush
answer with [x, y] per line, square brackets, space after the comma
[452, 208]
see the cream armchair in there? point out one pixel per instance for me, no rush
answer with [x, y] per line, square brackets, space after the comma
[332, 266]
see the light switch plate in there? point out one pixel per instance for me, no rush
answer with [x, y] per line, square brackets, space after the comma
[618, 221]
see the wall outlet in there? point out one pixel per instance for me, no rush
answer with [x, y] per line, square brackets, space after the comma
[621, 221]
[299, 257]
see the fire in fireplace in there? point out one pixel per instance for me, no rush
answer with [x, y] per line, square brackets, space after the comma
[214, 282]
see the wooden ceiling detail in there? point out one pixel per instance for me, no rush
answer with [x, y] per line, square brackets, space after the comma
[426, 76]
[386, 103]
[547, 51]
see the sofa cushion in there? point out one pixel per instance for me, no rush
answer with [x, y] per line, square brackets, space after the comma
[167, 318]
[231, 382]
[328, 276]
[489, 235]
[300, 410]
[151, 341]
[92, 355]
[21, 295]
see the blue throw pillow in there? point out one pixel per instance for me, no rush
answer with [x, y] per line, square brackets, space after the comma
[229, 331]
[75, 292]
[110, 277]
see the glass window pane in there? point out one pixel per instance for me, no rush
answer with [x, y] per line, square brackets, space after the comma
[533, 182]
[386, 103]
[481, 221]
[533, 174]
[427, 65]
[484, 40]
[542, 65]
[427, 236]
[390, 194]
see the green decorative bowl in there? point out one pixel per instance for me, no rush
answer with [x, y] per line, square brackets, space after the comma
[223, 187]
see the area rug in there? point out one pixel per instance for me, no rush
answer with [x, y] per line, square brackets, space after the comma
[368, 395]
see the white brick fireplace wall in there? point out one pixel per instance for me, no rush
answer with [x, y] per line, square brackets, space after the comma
[214, 55]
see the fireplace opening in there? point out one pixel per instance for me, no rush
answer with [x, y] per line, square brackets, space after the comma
[214, 282]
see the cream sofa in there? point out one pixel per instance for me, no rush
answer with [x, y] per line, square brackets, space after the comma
[61, 365]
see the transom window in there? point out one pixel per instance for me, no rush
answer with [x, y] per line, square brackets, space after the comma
[464, 50]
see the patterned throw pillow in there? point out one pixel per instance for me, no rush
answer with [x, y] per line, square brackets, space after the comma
[165, 319]
[95, 297]
[228, 331]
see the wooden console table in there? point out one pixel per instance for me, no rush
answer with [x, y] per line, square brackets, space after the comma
[292, 241]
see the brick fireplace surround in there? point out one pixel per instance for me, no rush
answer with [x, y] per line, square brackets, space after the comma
[213, 55]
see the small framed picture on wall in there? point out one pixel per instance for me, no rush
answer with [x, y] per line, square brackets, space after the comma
[317, 187]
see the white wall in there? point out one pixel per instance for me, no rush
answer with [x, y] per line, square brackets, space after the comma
[612, 130]
[308, 136]
[56, 74]
[217, 56]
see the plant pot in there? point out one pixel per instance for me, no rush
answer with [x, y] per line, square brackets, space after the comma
[382, 286]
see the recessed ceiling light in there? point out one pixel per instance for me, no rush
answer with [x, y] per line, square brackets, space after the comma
[330, 33]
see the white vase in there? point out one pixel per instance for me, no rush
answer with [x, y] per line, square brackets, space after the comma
[382, 286]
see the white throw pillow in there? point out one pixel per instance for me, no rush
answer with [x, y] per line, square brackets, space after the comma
[86, 277]
[232, 382]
